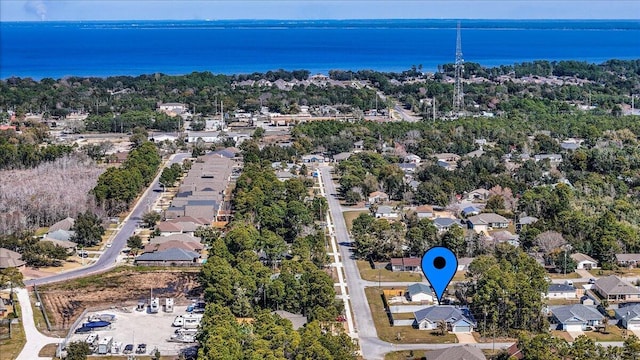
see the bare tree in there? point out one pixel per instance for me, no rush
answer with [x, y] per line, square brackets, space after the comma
[41, 196]
[549, 241]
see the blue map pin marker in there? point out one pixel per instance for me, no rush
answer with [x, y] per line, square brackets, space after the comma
[439, 265]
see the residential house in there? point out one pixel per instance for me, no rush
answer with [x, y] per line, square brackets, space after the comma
[487, 221]
[561, 291]
[464, 352]
[378, 197]
[584, 261]
[524, 221]
[285, 175]
[408, 168]
[419, 292]
[358, 146]
[457, 319]
[443, 224]
[615, 289]
[570, 144]
[173, 244]
[406, 264]
[172, 108]
[175, 237]
[386, 212]
[628, 316]
[503, 236]
[475, 153]
[181, 225]
[10, 259]
[342, 156]
[471, 210]
[628, 260]
[65, 224]
[576, 317]
[169, 257]
[313, 159]
[448, 161]
[463, 263]
[554, 159]
[478, 195]
[412, 159]
[424, 212]
[297, 320]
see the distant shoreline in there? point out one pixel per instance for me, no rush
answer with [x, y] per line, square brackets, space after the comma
[130, 48]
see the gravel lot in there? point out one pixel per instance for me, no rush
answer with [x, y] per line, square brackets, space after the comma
[136, 327]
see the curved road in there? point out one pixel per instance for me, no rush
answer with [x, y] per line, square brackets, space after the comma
[109, 258]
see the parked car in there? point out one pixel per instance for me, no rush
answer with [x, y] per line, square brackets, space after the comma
[83, 329]
[128, 349]
[142, 348]
[592, 281]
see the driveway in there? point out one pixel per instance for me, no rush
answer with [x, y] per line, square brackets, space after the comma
[466, 338]
[575, 334]
[35, 340]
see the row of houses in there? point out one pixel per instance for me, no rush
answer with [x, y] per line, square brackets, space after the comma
[201, 194]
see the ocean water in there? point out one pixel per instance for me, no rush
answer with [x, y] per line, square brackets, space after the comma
[58, 49]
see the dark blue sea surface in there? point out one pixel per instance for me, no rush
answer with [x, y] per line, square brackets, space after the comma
[58, 49]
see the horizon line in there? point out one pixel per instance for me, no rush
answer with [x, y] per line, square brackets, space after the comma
[328, 19]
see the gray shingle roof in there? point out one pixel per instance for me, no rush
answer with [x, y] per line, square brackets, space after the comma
[9, 259]
[444, 222]
[487, 218]
[447, 313]
[627, 257]
[465, 352]
[559, 288]
[418, 288]
[581, 312]
[613, 285]
[173, 254]
[630, 312]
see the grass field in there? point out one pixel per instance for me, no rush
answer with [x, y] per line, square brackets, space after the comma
[48, 350]
[400, 334]
[571, 275]
[404, 355]
[619, 272]
[349, 216]
[10, 348]
[614, 333]
[384, 275]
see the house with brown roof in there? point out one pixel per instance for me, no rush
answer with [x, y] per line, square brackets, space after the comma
[406, 264]
[615, 289]
[184, 245]
[10, 259]
[425, 212]
[181, 225]
[378, 197]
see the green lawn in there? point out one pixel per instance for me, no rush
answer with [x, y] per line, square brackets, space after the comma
[404, 355]
[571, 275]
[619, 272]
[10, 348]
[384, 275]
[406, 334]
[349, 216]
[613, 333]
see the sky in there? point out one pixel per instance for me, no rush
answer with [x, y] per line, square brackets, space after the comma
[38, 10]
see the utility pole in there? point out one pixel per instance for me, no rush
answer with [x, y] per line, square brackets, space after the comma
[458, 95]
[434, 109]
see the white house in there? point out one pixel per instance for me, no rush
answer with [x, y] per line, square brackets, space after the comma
[175, 108]
[576, 317]
[457, 319]
[584, 261]
[629, 316]
[424, 212]
[420, 293]
[378, 197]
[487, 221]
[386, 212]
[561, 291]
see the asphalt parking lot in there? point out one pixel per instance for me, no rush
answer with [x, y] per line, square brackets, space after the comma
[137, 327]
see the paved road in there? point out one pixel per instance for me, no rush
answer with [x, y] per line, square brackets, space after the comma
[35, 339]
[372, 347]
[110, 256]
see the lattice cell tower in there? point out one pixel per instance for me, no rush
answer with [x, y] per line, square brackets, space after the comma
[458, 95]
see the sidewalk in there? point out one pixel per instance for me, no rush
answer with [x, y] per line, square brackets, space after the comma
[35, 340]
